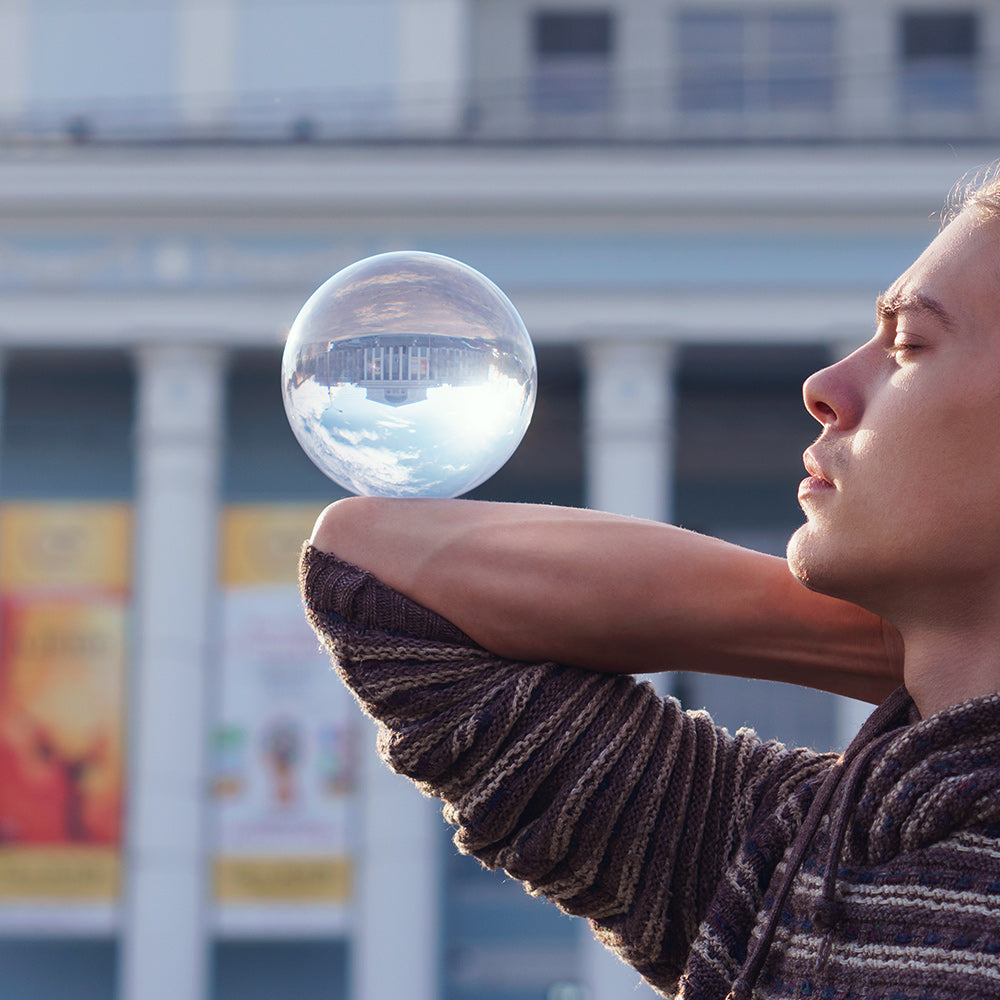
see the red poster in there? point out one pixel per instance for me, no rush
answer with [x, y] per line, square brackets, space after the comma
[63, 610]
[61, 678]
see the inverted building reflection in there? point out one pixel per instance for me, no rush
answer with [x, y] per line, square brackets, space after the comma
[398, 369]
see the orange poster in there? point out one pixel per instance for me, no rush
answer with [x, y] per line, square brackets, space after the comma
[60, 720]
[63, 609]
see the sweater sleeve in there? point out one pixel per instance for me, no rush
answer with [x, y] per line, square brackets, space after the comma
[589, 788]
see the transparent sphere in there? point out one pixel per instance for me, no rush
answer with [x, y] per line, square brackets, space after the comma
[409, 374]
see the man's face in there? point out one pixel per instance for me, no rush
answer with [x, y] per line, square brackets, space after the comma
[903, 504]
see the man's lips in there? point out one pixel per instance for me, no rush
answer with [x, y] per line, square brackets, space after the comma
[814, 469]
[818, 479]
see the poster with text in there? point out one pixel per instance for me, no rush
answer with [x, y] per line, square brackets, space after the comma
[283, 747]
[64, 571]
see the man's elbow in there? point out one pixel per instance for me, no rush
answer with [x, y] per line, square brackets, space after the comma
[342, 526]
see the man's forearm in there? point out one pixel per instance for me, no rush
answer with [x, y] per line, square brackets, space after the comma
[611, 593]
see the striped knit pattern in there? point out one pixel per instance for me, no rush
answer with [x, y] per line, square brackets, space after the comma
[669, 833]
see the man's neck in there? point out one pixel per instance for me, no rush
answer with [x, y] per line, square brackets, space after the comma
[945, 666]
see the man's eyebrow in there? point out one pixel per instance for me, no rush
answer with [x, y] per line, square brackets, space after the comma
[889, 304]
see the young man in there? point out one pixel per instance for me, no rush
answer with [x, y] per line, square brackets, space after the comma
[717, 865]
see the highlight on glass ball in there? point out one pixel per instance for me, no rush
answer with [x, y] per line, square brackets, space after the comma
[409, 374]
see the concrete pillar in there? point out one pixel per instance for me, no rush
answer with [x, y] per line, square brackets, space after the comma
[629, 413]
[179, 415]
[396, 949]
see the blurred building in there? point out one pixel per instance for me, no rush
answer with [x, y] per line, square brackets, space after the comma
[692, 205]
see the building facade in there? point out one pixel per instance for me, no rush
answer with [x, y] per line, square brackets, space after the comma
[691, 206]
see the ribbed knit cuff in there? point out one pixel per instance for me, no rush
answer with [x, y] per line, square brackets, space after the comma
[334, 591]
[426, 683]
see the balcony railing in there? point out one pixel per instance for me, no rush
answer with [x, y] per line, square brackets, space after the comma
[581, 102]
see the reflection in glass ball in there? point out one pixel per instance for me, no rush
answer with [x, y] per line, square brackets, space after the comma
[408, 374]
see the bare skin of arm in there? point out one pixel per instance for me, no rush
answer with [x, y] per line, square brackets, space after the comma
[611, 593]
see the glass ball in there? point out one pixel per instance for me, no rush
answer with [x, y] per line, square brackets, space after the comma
[409, 374]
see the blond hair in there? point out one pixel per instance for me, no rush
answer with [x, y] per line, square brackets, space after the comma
[979, 189]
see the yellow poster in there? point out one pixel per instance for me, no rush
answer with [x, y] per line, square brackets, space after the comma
[283, 745]
[76, 545]
[63, 610]
[260, 542]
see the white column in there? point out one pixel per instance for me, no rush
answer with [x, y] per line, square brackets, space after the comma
[433, 43]
[629, 416]
[629, 413]
[206, 64]
[164, 947]
[396, 950]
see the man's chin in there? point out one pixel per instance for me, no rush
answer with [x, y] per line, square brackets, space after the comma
[826, 569]
[803, 560]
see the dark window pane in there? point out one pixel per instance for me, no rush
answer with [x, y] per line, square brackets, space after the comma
[83, 970]
[265, 970]
[939, 61]
[572, 63]
[573, 34]
[67, 431]
[930, 35]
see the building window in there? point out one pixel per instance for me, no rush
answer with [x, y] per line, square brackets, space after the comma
[572, 62]
[939, 60]
[766, 61]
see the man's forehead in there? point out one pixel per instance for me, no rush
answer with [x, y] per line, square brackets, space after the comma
[957, 273]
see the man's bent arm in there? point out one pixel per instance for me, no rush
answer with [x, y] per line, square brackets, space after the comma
[612, 593]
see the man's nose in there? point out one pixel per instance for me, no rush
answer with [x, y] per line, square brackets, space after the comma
[833, 395]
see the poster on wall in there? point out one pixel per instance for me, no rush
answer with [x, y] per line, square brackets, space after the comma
[64, 571]
[283, 747]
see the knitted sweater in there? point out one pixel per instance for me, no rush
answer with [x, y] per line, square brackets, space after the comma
[717, 865]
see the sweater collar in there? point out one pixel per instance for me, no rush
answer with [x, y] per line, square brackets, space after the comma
[936, 776]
